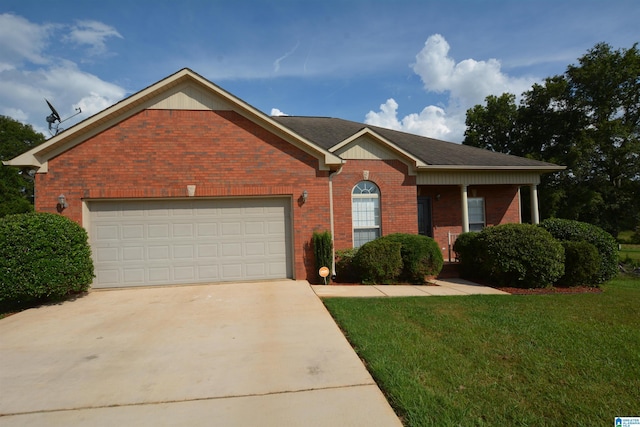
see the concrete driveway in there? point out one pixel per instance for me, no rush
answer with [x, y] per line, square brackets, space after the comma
[241, 354]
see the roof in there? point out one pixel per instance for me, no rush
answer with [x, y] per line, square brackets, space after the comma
[329, 132]
[322, 137]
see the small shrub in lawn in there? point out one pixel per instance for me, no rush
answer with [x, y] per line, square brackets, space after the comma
[346, 272]
[565, 229]
[520, 255]
[468, 252]
[42, 256]
[581, 263]
[322, 249]
[379, 261]
[421, 256]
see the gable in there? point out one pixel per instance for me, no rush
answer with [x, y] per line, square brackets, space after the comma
[366, 148]
[184, 90]
[189, 96]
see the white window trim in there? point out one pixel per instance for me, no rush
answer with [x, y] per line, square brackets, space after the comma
[377, 228]
[473, 225]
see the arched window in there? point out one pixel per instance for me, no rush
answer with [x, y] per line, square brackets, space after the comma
[365, 210]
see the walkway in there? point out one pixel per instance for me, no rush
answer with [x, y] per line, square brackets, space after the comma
[445, 287]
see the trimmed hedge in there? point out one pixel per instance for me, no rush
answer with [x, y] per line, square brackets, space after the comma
[322, 249]
[468, 253]
[576, 231]
[421, 257]
[519, 255]
[378, 261]
[346, 271]
[581, 263]
[42, 256]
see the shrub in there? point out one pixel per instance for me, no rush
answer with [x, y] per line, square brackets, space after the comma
[576, 231]
[379, 261]
[42, 256]
[421, 256]
[346, 272]
[466, 248]
[581, 263]
[520, 255]
[322, 249]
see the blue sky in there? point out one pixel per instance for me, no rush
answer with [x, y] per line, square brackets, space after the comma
[406, 64]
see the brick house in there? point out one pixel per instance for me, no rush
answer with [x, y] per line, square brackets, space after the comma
[183, 183]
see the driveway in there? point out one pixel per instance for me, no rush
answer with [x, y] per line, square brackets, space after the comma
[240, 354]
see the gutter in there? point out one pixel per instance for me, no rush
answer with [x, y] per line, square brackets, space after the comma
[333, 246]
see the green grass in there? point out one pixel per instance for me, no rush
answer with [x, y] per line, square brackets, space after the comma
[545, 360]
[629, 252]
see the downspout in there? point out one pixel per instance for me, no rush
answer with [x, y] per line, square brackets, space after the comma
[333, 246]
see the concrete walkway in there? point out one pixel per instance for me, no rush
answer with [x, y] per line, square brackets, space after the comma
[444, 287]
[242, 354]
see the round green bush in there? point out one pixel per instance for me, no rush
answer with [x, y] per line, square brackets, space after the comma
[467, 252]
[520, 255]
[421, 257]
[378, 261]
[42, 256]
[346, 272]
[581, 263]
[576, 231]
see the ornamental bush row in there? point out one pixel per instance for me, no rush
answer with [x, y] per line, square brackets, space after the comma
[395, 258]
[557, 251]
[42, 257]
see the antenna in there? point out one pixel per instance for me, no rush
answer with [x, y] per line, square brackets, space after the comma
[54, 128]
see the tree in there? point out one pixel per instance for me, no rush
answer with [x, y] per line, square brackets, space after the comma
[493, 126]
[16, 186]
[587, 119]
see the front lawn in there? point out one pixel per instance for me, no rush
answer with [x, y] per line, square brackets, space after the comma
[543, 360]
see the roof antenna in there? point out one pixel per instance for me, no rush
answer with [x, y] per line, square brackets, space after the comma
[54, 128]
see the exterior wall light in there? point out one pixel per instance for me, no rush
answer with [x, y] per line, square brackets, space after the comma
[62, 203]
[304, 196]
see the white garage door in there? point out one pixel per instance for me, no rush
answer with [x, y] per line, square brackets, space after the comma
[139, 243]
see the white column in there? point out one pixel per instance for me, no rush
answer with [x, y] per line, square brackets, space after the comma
[535, 215]
[465, 209]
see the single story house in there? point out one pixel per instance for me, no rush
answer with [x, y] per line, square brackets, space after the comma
[183, 182]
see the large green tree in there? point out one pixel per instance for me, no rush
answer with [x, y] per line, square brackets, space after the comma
[16, 186]
[587, 119]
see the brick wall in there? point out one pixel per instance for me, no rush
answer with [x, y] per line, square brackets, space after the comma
[398, 199]
[157, 153]
[501, 207]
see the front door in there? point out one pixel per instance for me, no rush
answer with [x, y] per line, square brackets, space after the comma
[425, 226]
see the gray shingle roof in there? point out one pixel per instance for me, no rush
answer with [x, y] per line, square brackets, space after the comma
[326, 132]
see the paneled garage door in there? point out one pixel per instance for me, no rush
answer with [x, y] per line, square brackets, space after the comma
[140, 243]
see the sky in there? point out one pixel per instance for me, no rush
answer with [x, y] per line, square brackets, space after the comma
[410, 65]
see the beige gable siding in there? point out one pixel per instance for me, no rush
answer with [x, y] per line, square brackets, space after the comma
[190, 97]
[477, 178]
[366, 148]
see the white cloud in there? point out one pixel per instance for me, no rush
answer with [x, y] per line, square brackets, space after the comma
[276, 112]
[431, 121]
[21, 40]
[467, 83]
[29, 73]
[93, 34]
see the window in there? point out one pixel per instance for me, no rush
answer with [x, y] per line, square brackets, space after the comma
[365, 211]
[476, 213]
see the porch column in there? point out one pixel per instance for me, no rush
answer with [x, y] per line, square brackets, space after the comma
[535, 215]
[465, 209]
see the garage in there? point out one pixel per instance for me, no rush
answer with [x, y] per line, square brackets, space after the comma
[163, 242]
